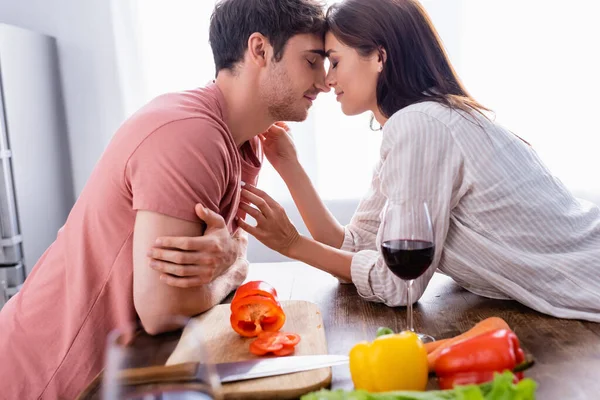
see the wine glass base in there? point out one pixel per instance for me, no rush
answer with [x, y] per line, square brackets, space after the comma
[425, 338]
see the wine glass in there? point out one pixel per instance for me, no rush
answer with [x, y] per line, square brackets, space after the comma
[129, 351]
[408, 247]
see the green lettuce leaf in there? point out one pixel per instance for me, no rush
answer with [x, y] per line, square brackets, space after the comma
[501, 388]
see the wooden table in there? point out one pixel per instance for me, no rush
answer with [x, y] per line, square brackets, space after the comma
[567, 352]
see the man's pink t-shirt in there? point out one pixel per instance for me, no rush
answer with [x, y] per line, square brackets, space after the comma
[175, 152]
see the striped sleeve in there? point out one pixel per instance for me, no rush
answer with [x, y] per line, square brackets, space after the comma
[361, 232]
[419, 161]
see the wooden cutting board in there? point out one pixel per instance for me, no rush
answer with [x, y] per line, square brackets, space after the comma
[222, 344]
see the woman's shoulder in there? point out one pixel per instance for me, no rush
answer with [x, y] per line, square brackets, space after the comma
[425, 110]
[424, 123]
[428, 115]
[439, 117]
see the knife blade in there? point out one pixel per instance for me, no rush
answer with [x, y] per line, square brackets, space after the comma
[251, 369]
[230, 371]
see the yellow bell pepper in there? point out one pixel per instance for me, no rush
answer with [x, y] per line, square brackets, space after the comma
[390, 362]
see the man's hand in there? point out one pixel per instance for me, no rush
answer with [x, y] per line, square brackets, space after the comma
[278, 146]
[194, 261]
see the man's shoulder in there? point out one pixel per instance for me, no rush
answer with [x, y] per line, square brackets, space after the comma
[178, 119]
[197, 108]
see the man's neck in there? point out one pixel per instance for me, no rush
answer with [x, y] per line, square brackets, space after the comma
[247, 116]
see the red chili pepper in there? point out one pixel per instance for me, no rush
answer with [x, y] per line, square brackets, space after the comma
[475, 360]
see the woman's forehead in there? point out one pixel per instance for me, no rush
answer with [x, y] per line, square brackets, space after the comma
[333, 45]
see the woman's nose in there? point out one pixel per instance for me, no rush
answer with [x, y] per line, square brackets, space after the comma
[330, 80]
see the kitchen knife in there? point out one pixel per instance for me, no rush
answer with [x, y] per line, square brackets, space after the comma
[231, 371]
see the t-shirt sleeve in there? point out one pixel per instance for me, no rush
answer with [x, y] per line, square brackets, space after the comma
[178, 165]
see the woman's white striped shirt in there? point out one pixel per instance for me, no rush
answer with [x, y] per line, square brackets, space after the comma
[505, 227]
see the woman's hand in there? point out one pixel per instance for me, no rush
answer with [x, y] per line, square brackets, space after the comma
[278, 146]
[273, 227]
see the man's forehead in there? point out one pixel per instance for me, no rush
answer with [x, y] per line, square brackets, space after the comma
[307, 42]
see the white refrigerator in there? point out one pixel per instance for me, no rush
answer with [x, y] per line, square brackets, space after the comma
[36, 188]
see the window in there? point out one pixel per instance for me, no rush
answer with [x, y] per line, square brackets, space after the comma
[534, 63]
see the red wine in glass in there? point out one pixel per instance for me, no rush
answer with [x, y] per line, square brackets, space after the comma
[408, 247]
[408, 259]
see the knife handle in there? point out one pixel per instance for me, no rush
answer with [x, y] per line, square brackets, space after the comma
[159, 374]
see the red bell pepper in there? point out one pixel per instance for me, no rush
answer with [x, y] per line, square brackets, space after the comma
[255, 288]
[255, 309]
[475, 360]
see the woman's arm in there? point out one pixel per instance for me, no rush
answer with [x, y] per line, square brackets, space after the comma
[281, 153]
[321, 224]
[366, 269]
[381, 287]
[326, 258]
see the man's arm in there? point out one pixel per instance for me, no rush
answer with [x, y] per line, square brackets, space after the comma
[194, 261]
[154, 300]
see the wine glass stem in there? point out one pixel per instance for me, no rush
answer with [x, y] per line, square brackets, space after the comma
[409, 305]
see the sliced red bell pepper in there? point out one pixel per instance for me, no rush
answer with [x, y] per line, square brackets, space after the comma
[285, 338]
[255, 288]
[254, 314]
[278, 343]
[256, 350]
[285, 351]
[474, 360]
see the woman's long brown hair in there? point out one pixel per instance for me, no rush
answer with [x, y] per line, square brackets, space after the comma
[416, 67]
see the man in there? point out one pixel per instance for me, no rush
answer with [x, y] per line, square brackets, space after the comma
[179, 150]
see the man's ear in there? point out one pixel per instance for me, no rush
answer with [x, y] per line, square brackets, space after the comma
[259, 49]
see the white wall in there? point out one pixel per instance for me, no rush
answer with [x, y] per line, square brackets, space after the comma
[93, 98]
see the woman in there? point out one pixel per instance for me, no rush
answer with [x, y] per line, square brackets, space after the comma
[504, 227]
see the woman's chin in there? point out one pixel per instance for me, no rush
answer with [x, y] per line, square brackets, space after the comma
[350, 111]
